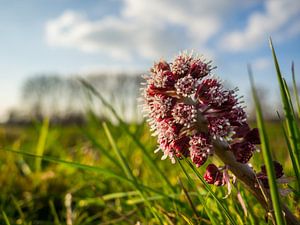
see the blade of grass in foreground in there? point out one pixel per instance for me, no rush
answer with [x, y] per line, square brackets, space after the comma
[295, 126]
[5, 218]
[40, 148]
[69, 163]
[289, 147]
[292, 127]
[295, 89]
[54, 213]
[266, 151]
[123, 162]
[123, 125]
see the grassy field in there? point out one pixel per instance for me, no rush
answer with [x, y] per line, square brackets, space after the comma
[151, 191]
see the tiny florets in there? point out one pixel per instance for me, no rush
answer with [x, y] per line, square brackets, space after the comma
[200, 148]
[184, 114]
[199, 68]
[181, 64]
[160, 105]
[186, 86]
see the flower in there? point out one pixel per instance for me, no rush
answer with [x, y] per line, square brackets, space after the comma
[262, 175]
[213, 175]
[200, 148]
[188, 109]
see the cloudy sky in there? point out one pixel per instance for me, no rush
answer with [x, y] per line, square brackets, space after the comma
[72, 36]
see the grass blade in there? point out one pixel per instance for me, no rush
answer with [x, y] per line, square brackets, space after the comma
[40, 148]
[295, 89]
[72, 164]
[266, 151]
[5, 218]
[121, 158]
[294, 120]
[291, 153]
[292, 127]
[54, 213]
[186, 219]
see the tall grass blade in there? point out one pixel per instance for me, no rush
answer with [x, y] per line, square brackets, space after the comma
[186, 219]
[295, 125]
[40, 148]
[69, 163]
[54, 213]
[266, 151]
[121, 158]
[291, 123]
[5, 218]
[295, 89]
[116, 195]
[18, 208]
[291, 153]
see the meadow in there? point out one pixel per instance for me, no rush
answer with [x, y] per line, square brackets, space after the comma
[106, 173]
[34, 191]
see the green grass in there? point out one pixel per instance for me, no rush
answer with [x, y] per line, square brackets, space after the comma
[267, 155]
[101, 190]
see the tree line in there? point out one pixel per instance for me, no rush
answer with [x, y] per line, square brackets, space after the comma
[64, 98]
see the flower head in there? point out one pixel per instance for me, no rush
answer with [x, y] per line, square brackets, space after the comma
[184, 114]
[213, 175]
[200, 148]
[186, 86]
[188, 109]
[262, 175]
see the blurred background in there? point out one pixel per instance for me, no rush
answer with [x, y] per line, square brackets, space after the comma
[45, 46]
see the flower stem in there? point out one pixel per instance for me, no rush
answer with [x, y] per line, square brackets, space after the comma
[246, 174]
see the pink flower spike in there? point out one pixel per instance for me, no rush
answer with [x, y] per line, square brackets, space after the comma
[188, 108]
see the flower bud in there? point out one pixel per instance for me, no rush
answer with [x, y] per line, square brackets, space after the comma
[213, 175]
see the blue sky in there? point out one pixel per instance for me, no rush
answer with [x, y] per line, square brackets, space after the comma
[78, 37]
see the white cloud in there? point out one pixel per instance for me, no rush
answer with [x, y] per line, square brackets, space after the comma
[278, 15]
[148, 29]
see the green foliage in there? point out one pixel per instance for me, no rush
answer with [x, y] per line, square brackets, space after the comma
[292, 125]
[266, 151]
[101, 191]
